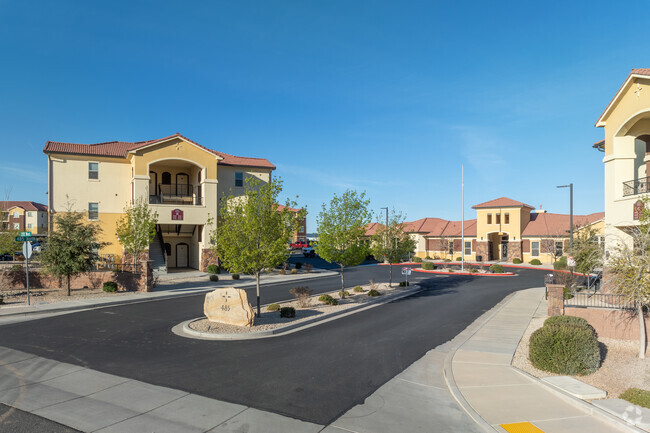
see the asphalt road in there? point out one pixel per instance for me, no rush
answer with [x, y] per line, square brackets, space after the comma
[16, 421]
[316, 374]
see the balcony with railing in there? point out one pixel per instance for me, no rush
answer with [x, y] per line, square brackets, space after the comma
[178, 194]
[637, 186]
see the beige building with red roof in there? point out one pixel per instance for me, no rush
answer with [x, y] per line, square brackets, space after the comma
[180, 179]
[504, 229]
[626, 147]
[24, 216]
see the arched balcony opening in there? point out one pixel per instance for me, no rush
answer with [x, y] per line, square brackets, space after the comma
[170, 183]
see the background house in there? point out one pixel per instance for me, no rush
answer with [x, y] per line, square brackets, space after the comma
[24, 216]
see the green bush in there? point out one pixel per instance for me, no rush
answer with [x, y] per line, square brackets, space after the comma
[564, 349]
[496, 269]
[345, 292]
[298, 265]
[473, 270]
[428, 257]
[428, 266]
[535, 262]
[110, 286]
[358, 289]
[516, 261]
[214, 277]
[294, 271]
[287, 312]
[561, 263]
[637, 396]
[447, 260]
[213, 269]
[273, 307]
[327, 299]
[417, 260]
[459, 259]
[2, 300]
[567, 293]
[404, 283]
[373, 292]
[235, 276]
[16, 267]
[569, 321]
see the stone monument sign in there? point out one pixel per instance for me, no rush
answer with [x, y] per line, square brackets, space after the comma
[228, 305]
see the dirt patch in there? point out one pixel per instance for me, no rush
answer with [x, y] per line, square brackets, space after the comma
[272, 319]
[49, 296]
[621, 368]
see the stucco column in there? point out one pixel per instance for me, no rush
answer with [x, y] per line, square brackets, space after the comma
[646, 160]
[555, 299]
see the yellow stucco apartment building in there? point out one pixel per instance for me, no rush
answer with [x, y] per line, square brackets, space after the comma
[504, 230]
[626, 121]
[180, 179]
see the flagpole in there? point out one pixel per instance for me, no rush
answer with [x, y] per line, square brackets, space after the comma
[462, 224]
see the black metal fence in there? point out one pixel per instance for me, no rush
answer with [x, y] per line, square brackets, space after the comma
[118, 267]
[597, 300]
[639, 186]
[176, 193]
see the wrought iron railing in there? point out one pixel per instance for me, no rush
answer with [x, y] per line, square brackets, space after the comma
[176, 193]
[597, 300]
[637, 186]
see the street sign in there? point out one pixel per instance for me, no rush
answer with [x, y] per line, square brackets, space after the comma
[27, 250]
[25, 239]
[571, 262]
[26, 234]
[406, 271]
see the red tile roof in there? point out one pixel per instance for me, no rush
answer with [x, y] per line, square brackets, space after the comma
[502, 202]
[26, 205]
[453, 229]
[553, 224]
[424, 225]
[120, 149]
[372, 228]
[281, 207]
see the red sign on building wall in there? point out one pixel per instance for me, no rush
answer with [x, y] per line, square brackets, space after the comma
[177, 215]
[638, 209]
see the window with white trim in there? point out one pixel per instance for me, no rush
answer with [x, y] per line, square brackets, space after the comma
[93, 170]
[30, 214]
[93, 211]
[468, 248]
[16, 226]
[30, 225]
[534, 249]
[16, 214]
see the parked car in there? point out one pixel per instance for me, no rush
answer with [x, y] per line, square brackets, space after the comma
[308, 252]
[6, 257]
[298, 245]
[36, 247]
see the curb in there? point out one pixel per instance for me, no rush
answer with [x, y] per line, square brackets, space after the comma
[183, 329]
[475, 274]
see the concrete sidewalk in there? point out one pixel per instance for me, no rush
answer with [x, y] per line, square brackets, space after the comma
[168, 289]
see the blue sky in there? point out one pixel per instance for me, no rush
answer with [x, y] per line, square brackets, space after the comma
[383, 96]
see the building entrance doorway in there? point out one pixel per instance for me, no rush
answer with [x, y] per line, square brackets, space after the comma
[504, 247]
[182, 255]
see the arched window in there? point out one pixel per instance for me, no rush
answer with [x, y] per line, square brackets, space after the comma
[166, 178]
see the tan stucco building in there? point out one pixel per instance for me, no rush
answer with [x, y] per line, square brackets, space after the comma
[180, 179]
[626, 121]
[24, 216]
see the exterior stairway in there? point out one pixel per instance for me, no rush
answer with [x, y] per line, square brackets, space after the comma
[157, 254]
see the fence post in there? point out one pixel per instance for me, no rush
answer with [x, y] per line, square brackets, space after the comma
[555, 299]
[146, 276]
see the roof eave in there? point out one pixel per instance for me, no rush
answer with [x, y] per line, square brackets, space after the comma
[601, 120]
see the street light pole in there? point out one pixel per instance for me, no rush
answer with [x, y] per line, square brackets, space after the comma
[386, 227]
[570, 186]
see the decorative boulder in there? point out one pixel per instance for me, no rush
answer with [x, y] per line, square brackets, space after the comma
[230, 306]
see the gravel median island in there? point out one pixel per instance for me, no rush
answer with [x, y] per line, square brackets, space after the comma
[271, 319]
[621, 368]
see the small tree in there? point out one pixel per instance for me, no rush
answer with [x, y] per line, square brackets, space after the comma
[587, 253]
[136, 228]
[252, 234]
[341, 231]
[629, 271]
[392, 242]
[72, 245]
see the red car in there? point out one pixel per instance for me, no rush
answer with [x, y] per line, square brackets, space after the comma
[299, 244]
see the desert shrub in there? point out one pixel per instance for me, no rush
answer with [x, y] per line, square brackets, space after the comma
[294, 271]
[110, 286]
[637, 396]
[561, 263]
[516, 261]
[309, 267]
[287, 312]
[273, 307]
[374, 292]
[344, 292]
[458, 259]
[298, 265]
[302, 295]
[450, 271]
[473, 270]
[327, 299]
[428, 258]
[496, 269]
[564, 349]
[214, 277]
[2, 300]
[286, 266]
[535, 262]
[447, 260]
[16, 267]
[436, 258]
[235, 276]
[358, 289]
[283, 272]
[404, 283]
[429, 266]
[417, 260]
[213, 269]
[570, 321]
